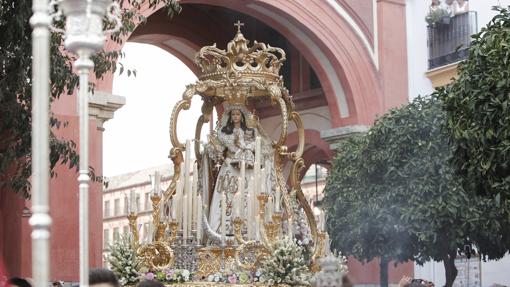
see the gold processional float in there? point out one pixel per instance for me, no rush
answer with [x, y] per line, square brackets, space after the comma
[191, 219]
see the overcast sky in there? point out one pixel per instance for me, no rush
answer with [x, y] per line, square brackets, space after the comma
[138, 135]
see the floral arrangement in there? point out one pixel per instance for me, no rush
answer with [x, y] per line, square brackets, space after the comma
[286, 265]
[235, 277]
[341, 262]
[124, 262]
[170, 276]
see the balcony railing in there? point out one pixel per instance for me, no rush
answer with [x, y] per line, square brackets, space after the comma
[448, 42]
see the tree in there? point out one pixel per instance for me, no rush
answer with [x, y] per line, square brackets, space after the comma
[478, 111]
[15, 86]
[360, 220]
[477, 108]
[399, 178]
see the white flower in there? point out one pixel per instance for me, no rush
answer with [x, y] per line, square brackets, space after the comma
[210, 278]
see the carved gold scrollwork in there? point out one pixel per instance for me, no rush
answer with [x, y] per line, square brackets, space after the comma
[275, 93]
[294, 179]
[294, 116]
[156, 256]
[177, 158]
[250, 255]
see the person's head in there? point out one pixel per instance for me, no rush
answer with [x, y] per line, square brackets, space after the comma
[461, 1]
[101, 277]
[434, 3]
[449, 2]
[56, 284]
[150, 283]
[19, 282]
[235, 119]
[346, 282]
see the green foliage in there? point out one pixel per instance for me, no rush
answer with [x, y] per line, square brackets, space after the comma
[395, 192]
[16, 85]
[436, 15]
[124, 262]
[478, 112]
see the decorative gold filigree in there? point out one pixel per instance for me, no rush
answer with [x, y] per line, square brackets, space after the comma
[250, 255]
[132, 226]
[212, 259]
[156, 256]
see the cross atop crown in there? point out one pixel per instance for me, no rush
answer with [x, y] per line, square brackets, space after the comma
[239, 24]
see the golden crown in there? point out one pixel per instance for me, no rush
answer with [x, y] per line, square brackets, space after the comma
[239, 61]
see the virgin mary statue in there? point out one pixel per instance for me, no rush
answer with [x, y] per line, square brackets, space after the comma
[231, 146]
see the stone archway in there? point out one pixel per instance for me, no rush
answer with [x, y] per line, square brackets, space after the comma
[352, 79]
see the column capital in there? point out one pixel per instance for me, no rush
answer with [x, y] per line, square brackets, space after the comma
[102, 106]
[336, 135]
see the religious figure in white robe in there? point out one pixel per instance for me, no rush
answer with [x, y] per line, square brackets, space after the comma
[234, 145]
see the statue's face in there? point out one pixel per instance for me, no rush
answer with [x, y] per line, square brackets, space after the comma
[236, 116]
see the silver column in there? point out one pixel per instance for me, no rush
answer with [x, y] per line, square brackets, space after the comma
[40, 220]
[84, 64]
[84, 36]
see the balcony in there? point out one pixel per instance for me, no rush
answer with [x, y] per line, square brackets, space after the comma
[448, 42]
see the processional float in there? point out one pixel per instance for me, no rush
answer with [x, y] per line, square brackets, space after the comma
[264, 207]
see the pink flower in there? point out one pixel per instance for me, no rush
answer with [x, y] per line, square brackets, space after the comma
[232, 279]
[149, 276]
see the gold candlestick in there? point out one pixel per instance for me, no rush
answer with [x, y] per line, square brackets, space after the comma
[132, 226]
[238, 228]
[173, 225]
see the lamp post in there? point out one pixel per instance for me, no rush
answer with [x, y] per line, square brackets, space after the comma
[40, 220]
[84, 36]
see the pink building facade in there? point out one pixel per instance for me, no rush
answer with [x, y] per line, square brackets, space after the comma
[347, 63]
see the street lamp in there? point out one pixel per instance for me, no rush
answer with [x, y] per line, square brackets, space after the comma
[84, 36]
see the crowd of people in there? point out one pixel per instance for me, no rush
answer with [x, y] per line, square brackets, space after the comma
[101, 277]
[453, 7]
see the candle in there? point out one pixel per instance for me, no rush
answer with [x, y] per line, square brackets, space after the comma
[157, 180]
[257, 227]
[249, 205]
[195, 193]
[132, 201]
[161, 211]
[277, 200]
[238, 197]
[190, 208]
[262, 181]
[327, 244]
[243, 172]
[180, 192]
[199, 218]
[269, 209]
[223, 214]
[256, 165]
[257, 149]
[174, 207]
[323, 220]
[185, 219]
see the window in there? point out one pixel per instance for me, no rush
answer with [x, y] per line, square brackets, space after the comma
[116, 207]
[138, 202]
[126, 205]
[106, 238]
[125, 230]
[116, 234]
[147, 202]
[106, 212]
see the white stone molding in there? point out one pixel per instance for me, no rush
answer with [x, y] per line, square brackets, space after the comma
[102, 106]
